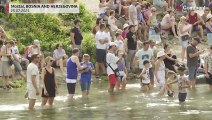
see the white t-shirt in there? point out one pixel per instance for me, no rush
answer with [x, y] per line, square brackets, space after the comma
[100, 35]
[120, 44]
[146, 76]
[32, 69]
[144, 55]
[107, 35]
[112, 23]
[111, 59]
[182, 81]
[133, 11]
[33, 51]
[102, 10]
[165, 19]
[15, 51]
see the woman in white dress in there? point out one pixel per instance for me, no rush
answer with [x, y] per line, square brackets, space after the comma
[160, 71]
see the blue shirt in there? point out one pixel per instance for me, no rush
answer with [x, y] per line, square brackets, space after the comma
[72, 72]
[121, 65]
[208, 30]
[86, 76]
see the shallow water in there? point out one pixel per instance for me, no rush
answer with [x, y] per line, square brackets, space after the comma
[127, 105]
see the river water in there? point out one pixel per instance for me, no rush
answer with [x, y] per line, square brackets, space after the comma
[126, 105]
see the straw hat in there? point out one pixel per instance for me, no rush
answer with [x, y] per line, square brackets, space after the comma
[125, 25]
[161, 53]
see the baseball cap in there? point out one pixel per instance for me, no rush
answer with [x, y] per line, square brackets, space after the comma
[113, 44]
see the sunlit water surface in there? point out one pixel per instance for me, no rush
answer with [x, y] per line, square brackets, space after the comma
[126, 105]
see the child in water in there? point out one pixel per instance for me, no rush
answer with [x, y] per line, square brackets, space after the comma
[145, 77]
[122, 70]
[183, 83]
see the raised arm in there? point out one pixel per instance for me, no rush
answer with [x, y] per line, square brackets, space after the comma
[76, 60]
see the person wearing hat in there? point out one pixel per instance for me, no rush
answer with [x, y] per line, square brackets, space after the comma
[76, 35]
[145, 54]
[160, 71]
[192, 60]
[34, 49]
[208, 67]
[125, 30]
[209, 29]
[131, 46]
[185, 30]
[196, 20]
[111, 62]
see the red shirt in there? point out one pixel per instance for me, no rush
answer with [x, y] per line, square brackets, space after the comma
[123, 34]
[192, 19]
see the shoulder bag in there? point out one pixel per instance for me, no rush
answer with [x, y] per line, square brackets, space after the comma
[116, 71]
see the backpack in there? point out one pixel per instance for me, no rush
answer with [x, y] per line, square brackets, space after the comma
[27, 51]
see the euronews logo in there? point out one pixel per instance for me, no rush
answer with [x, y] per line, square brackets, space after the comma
[193, 8]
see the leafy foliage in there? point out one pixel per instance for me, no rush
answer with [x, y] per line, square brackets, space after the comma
[89, 46]
[43, 27]
[50, 29]
[88, 18]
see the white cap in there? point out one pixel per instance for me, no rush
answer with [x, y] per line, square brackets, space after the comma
[125, 25]
[36, 42]
[209, 16]
[161, 53]
[113, 43]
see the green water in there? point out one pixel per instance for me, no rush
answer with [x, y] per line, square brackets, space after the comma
[127, 105]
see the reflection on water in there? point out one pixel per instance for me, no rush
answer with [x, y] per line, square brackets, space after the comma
[125, 105]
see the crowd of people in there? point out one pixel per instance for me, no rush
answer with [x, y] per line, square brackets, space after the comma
[120, 50]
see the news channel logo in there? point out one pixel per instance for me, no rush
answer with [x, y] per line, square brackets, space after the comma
[187, 8]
